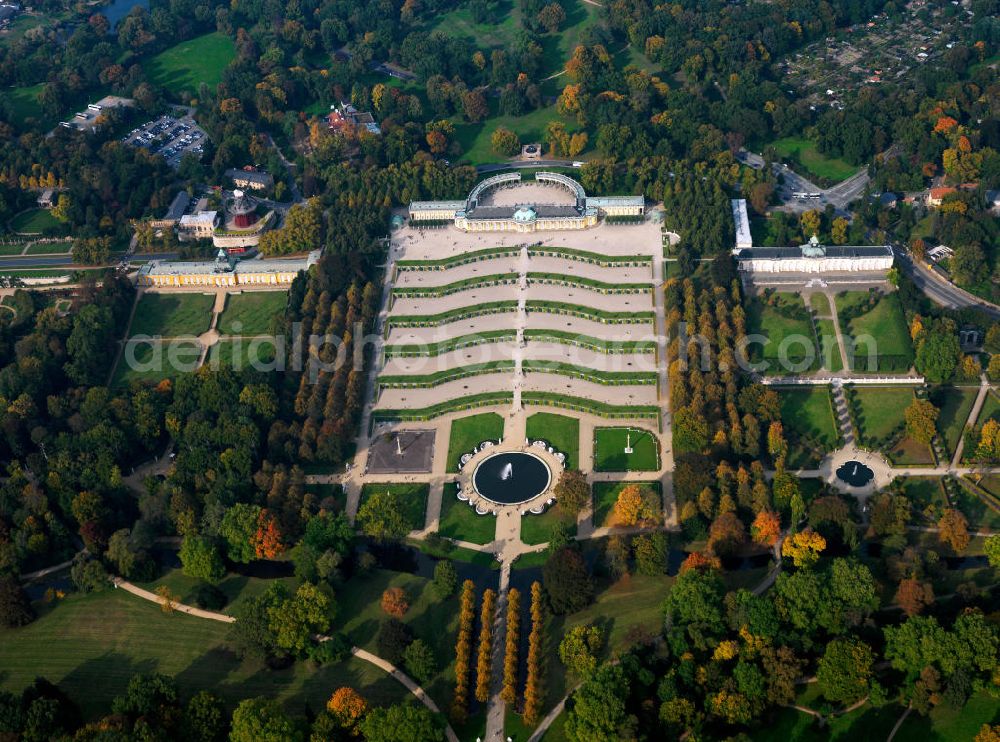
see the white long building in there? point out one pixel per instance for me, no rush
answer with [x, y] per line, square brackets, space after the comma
[815, 258]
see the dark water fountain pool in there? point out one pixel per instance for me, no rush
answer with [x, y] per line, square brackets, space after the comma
[855, 474]
[511, 478]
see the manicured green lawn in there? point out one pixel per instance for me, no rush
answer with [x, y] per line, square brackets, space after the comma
[252, 313]
[24, 102]
[950, 724]
[536, 529]
[359, 614]
[241, 354]
[609, 450]
[808, 421]
[561, 432]
[990, 410]
[411, 498]
[90, 645]
[881, 410]
[806, 153]
[469, 432]
[475, 141]
[955, 404]
[190, 63]
[156, 361]
[886, 327]
[459, 521]
[606, 495]
[172, 315]
[978, 513]
[829, 347]
[862, 725]
[50, 248]
[35, 221]
[795, 333]
[236, 587]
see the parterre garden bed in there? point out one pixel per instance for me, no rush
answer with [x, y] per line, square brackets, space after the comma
[784, 320]
[469, 432]
[156, 361]
[879, 318]
[809, 424]
[460, 521]
[955, 404]
[172, 315]
[609, 450]
[561, 432]
[253, 313]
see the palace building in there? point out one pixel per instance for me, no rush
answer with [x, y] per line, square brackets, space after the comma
[813, 257]
[505, 203]
[225, 270]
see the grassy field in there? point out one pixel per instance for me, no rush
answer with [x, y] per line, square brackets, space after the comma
[955, 404]
[606, 495]
[561, 432]
[156, 361]
[190, 63]
[609, 450]
[768, 320]
[252, 313]
[35, 221]
[885, 323]
[24, 102]
[50, 248]
[865, 724]
[881, 410]
[411, 499]
[469, 432]
[459, 521]
[805, 153]
[807, 415]
[990, 410]
[950, 724]
[978, 513]
[536, 529]
[926, 495]
[172, 315]
[90, 645]
[829, 348]
[239, 354]
[475, 139]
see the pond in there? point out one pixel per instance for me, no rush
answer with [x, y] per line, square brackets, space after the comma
[118, 9]
[855, 474]
[511, 478]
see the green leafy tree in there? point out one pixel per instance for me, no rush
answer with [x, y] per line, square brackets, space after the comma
[845, 670]
[205, 718]
[296, 619]
[15, 609]
[445, 579]
[239, 529]
[921, 420]
[200, 559]
[938, 356]
[405, 722]
[580, 648]
[418, 658]
[381, 517]
[567, 581]
[263, 720]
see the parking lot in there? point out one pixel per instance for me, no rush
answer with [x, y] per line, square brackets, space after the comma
[170, 137]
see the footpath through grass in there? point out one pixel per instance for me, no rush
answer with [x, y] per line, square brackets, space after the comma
[172, 315]
[469, 432]
[955, 404]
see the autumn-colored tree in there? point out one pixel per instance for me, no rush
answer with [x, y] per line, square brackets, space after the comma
[572, 492]
[921, 420]
[463, 651]
[913, 596]
[766, 528]
[534, 690]
[726, 534]
[988, 733]
[551, 17]
[267, 540]
[632, 509]
[474, 106]
[348, 706]
[838, 230]
[505, 142]
[437, 142]
[394, 602]
[701, 561]
[803, 547]
[777, 446]
[167, 598]
[953, 530]
[508, 691]
[484, 658]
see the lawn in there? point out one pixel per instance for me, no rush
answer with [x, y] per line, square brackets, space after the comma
[50, 248]
[865, 724]
[829, 347]
[609, 450]
[990, 410]
[885, 326]
[172, 315]
[926, 495]
[90, 645]
[807, 417]
[236, 587]
[606, 495]
[241, 354]
[475, 139]
[536, 529]
[410, 498]
[253, 313]
[24, 102]
[806, 154]
[950, 724]
[560, 431]
[459, 521]
[156, 361]
[791, 345]
[435, 621]
[978, 513]
[469, 432]
[881, 410]
[190, 63]
[955, 404]
[35, 221]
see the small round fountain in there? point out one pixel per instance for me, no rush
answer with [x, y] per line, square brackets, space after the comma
[511, 478]
[855, 474]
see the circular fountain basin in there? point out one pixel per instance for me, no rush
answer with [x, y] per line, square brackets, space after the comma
[511, 478]
[855, 474]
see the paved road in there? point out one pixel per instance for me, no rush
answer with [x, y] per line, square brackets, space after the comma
[522, 164]
[939, 290]
[22, 262]
[839, 195]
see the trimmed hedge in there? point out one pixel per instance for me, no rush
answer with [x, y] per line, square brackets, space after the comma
[591, 343]
[559, 279]
[441, 264]
[585, 256]
[425, 381]
[597, 315]
[467, 284]
[486, 399]
[446, 346]
[580, 404]
[608, 378]
[452, 315]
